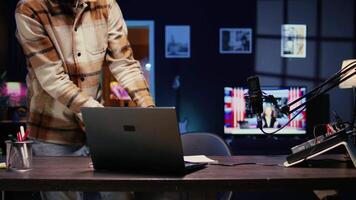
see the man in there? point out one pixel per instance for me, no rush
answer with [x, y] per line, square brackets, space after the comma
[67, 43]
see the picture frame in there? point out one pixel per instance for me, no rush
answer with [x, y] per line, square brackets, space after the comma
[293, 40]
[235, 40]
[177, 41]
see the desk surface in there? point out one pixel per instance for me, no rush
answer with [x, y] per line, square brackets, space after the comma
[74, 173]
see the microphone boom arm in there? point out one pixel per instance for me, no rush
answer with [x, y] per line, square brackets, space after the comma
[339, 79]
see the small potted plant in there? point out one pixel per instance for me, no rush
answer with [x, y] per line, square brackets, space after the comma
[4, 97]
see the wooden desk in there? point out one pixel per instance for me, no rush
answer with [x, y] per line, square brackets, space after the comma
[74, 173]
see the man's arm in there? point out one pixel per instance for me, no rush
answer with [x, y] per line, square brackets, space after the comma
[45, 62]
[120, 58]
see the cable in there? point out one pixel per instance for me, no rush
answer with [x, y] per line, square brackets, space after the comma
[316, 142]
[291, 119]
[354, 114]
[244, 163]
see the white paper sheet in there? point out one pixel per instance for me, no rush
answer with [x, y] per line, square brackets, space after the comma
[199, 159]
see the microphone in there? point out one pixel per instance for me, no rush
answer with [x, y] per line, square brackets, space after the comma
[255, 96]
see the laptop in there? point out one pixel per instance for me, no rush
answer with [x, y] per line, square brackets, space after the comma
[136, 140]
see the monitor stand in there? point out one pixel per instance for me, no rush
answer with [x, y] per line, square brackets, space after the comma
[341, 139]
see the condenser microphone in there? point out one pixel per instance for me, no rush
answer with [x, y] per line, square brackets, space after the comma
[255, 96]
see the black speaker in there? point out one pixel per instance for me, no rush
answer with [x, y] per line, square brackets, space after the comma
[318, 112]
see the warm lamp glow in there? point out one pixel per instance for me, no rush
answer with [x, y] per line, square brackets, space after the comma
[351, 82]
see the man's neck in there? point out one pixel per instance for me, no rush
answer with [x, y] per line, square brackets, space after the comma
[67, 5]
[70, 2]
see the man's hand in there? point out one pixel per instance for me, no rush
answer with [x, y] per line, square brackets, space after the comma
[79, 119]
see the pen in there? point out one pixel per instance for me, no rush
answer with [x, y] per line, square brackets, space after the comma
[19, 138]
[26, 134]
[24, 149]
[22, 131]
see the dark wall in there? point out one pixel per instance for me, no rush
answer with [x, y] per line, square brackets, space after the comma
[13, 60]
[3, 35]
[204, 75]
[330, 40]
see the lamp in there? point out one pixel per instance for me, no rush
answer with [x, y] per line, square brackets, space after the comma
[351, 82]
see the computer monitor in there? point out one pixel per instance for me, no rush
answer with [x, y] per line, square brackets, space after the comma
[239, 120]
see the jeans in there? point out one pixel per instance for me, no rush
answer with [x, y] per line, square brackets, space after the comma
[48, 149]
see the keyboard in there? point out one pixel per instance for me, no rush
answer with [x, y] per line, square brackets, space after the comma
[190, 167]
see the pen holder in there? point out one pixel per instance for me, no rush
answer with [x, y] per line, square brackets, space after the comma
[19, 155]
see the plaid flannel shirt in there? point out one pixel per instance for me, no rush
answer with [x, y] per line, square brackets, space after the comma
[65, 53]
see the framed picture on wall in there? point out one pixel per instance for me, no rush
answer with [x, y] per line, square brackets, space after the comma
[177, 41]
[235, 40]
[293, 41]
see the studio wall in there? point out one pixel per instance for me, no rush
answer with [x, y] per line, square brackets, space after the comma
[204, 75]
[3, 35]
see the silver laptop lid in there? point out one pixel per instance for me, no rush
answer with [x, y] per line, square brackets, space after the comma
[134, 139]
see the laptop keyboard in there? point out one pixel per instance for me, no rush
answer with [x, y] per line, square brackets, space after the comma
[189, 164]
[193, 166]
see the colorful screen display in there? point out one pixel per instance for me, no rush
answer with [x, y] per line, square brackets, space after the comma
[16, 92]
[239, 119]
